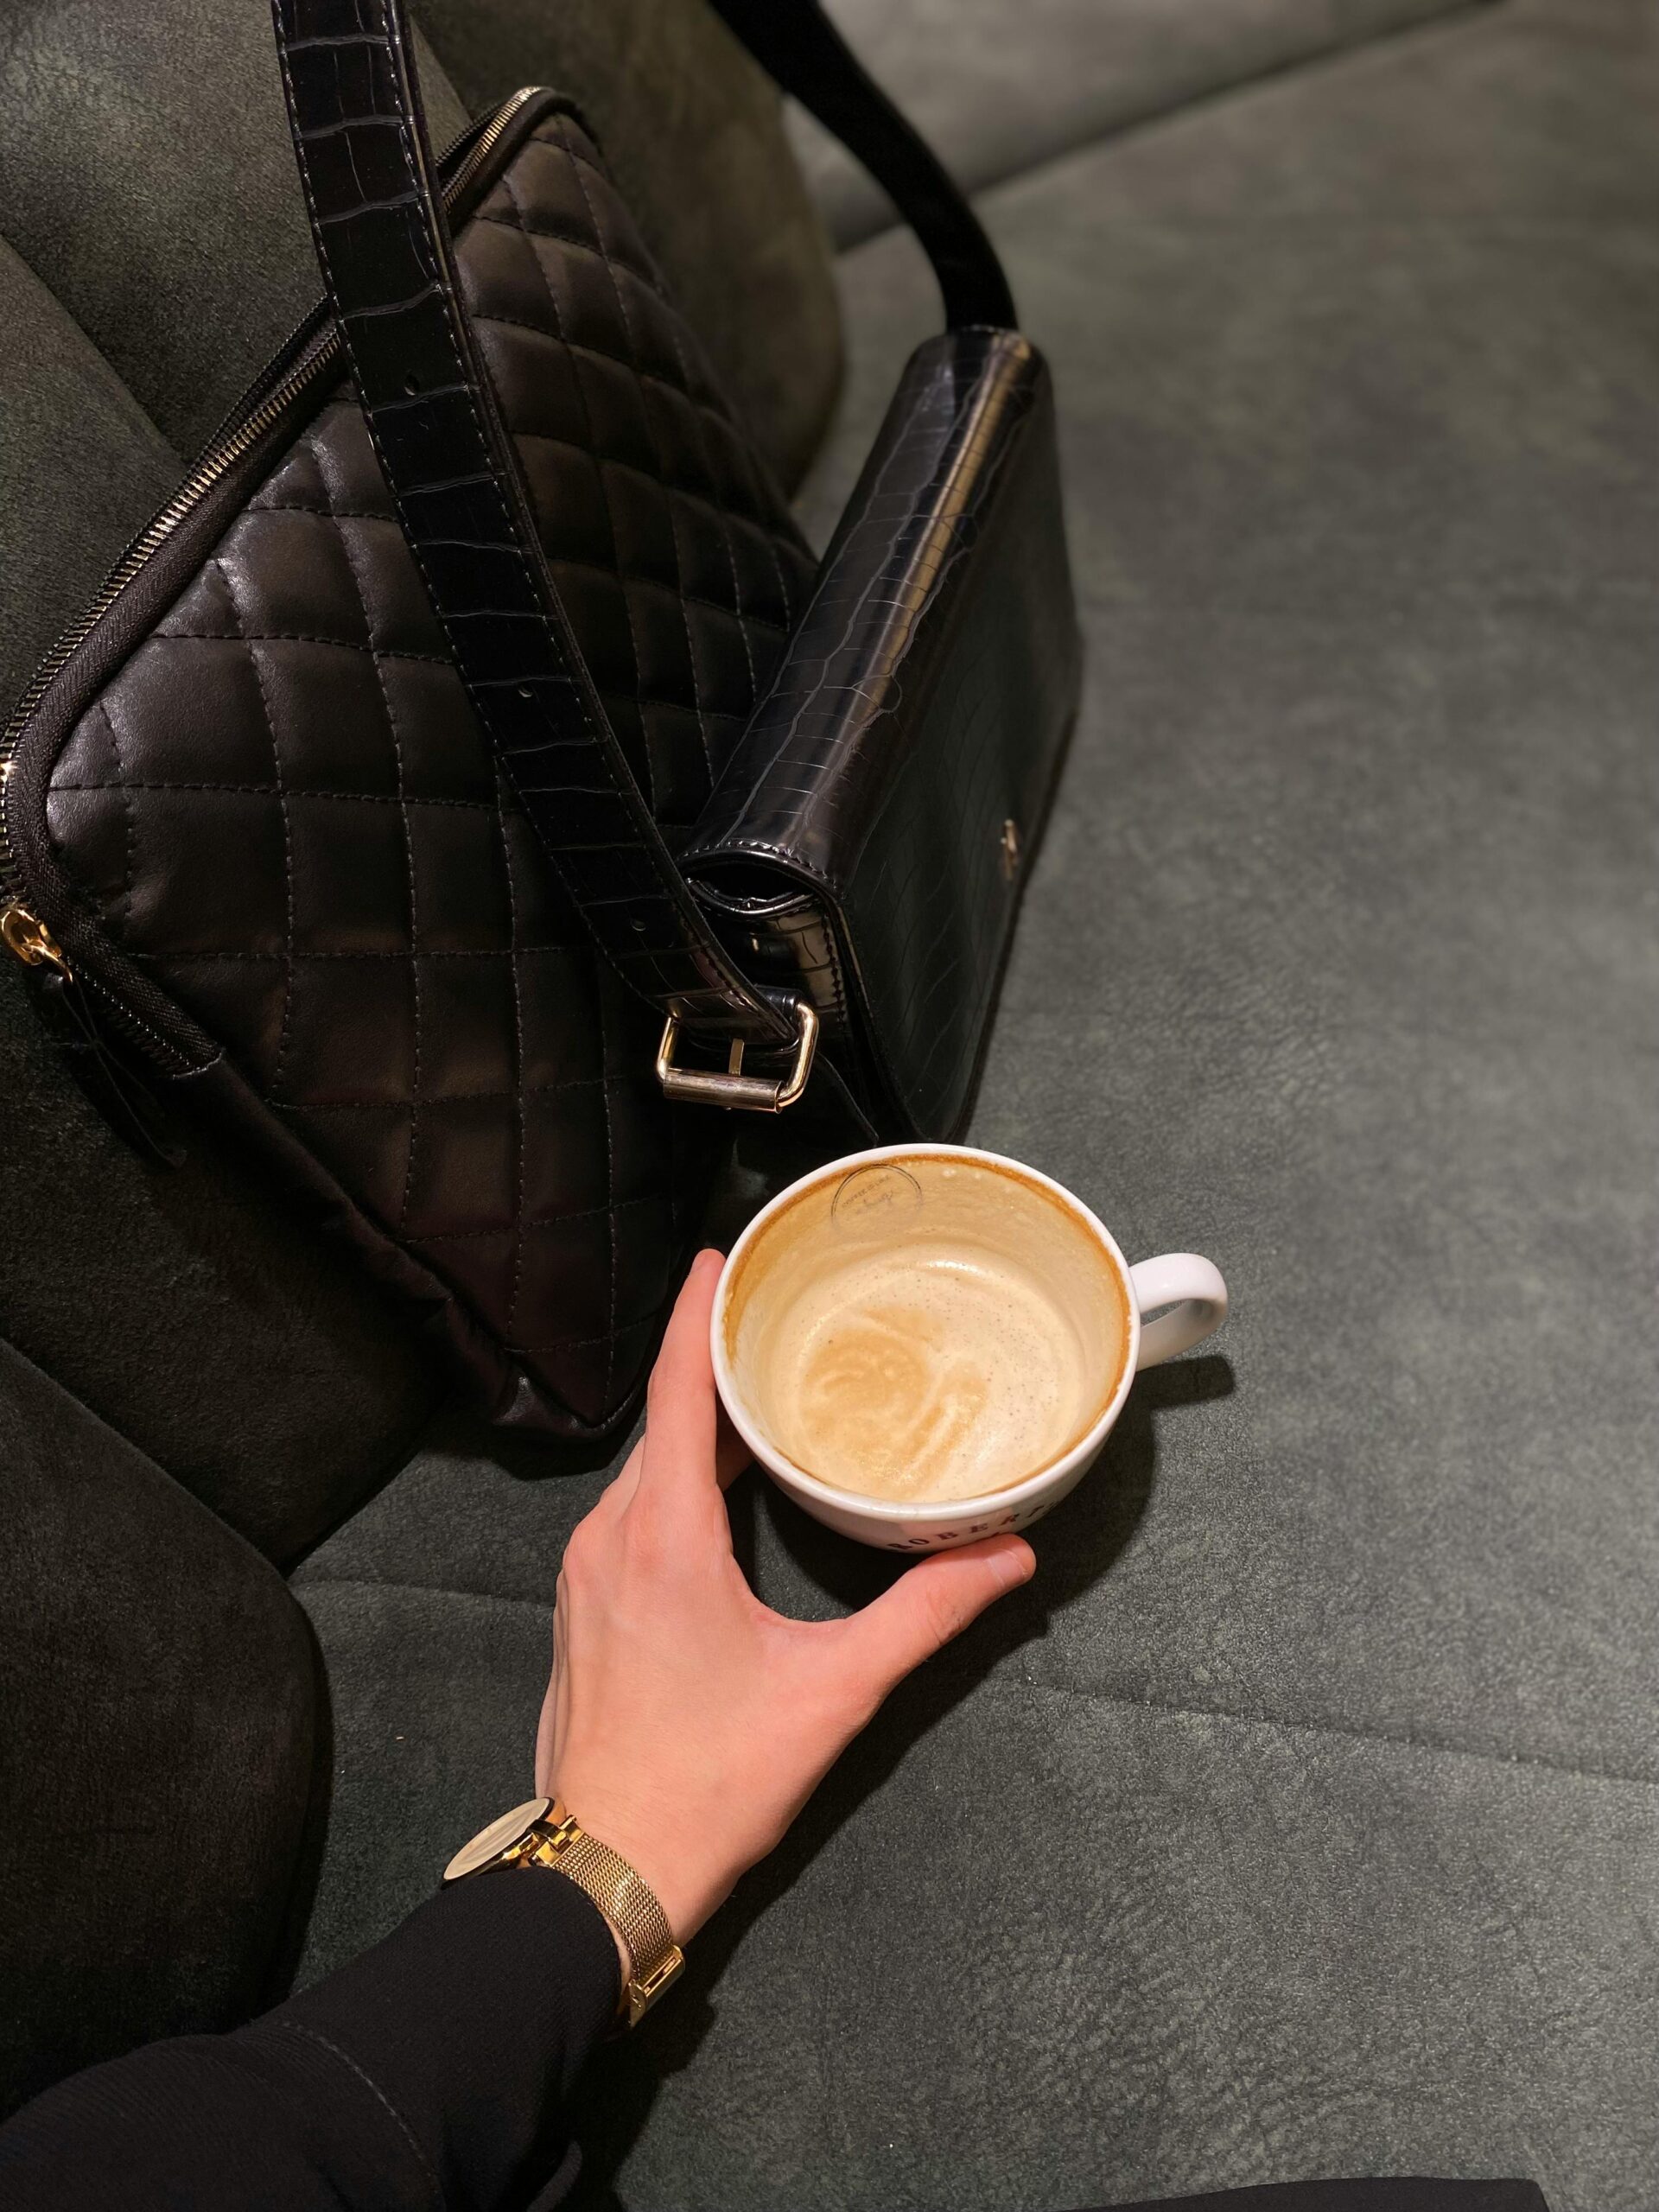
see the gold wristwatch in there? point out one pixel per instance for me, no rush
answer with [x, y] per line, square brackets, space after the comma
[538, 1834]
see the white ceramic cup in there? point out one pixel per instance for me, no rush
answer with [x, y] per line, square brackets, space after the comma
[1190, 1287]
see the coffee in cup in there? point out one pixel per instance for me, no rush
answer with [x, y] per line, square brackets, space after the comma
[926, 1328]
[927, 1343]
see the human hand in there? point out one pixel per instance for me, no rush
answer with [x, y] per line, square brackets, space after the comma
[686, 1723]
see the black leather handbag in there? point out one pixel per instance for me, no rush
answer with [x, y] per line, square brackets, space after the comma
[469, 777]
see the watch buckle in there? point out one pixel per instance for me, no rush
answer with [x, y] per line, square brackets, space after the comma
[644, 1989]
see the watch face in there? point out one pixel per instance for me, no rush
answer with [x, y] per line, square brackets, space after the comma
[500, 1835]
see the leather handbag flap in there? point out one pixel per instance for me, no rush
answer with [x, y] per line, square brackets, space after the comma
[899, 769]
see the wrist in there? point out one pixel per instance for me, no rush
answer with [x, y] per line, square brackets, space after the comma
[556, 1811]
[536, 1835]
[662, 1859]
[624, 1957]
[618, 1942]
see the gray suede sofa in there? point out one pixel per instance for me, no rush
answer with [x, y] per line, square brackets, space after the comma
[1303, 1815]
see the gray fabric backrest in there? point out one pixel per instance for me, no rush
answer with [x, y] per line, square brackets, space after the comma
[81, 465]
[145, 177]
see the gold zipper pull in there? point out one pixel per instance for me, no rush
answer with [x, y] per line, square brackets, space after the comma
[27, 936]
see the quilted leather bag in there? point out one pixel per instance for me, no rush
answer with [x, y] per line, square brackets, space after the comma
[470, 776]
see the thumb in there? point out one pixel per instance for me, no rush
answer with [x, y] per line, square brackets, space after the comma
[931, 1603]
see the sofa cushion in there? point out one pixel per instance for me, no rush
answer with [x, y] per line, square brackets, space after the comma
[1200, 1947]
[996, 93]
[157, 1760]
[187, 272]
[195, 1312]
[1299, 1817]
[148, 180]
[82, 468]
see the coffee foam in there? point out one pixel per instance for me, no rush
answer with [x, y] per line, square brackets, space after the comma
[926, 1329]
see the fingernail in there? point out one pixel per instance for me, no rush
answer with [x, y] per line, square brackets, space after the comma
[1016, 1564]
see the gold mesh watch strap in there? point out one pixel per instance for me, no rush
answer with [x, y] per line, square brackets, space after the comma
[626, 1902]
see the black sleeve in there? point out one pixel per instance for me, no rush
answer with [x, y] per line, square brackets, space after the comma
[431, 2075]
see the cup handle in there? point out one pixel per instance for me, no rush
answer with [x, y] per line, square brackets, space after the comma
[1192, 1286]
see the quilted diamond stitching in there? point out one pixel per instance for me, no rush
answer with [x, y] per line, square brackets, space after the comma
[611, 1205]
[566, 558]
[761, 494]
[375, 655]
[517, 1070]
[665, 491]
[699, 424]
[288, 831]
[589, 445]
[129, 807]
[320, 974]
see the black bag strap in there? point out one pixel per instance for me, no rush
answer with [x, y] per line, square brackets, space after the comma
[385, 251]
[384, 248]
[806, 56]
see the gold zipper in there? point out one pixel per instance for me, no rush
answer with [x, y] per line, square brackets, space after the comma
[25, 935]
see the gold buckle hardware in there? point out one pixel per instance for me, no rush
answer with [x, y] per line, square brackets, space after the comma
[755, 1094]
[644, 1990]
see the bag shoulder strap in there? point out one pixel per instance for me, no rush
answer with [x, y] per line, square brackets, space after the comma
[384, 248]
[806, 56]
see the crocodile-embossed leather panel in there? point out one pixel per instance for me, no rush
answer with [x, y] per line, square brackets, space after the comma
[936, 672]
[284, 810]
[383, 245]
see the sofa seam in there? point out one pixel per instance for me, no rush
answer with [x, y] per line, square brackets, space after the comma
[1346, 1730]
[1450, 16]
[1350, 1732]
